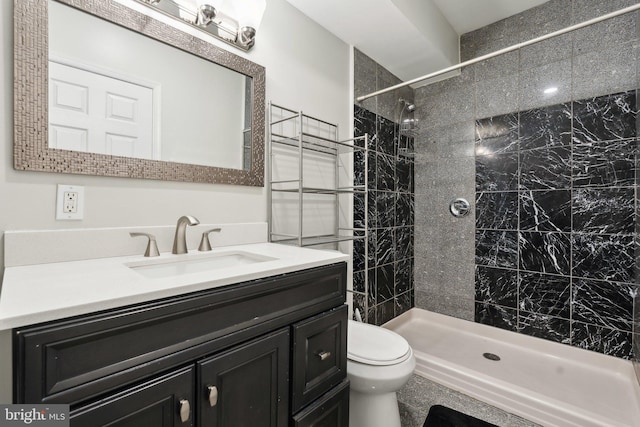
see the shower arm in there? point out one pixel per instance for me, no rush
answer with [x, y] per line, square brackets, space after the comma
[503, 51]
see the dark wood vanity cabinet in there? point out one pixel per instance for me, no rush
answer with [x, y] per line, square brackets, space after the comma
[265, 353]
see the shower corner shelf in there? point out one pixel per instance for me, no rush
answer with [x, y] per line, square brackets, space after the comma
[307, 161]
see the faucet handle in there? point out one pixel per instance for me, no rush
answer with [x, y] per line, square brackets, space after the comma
[205, 245]
[152, 246]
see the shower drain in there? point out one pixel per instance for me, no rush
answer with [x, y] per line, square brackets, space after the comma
[491, 356]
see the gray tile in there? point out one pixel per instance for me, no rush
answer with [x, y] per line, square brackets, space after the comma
[497, 96]
[603, 72]
[364, 70]
[533, 83]
[450, 107]
[388, 105]
[499, 66]
[606, 34]
[419, 394]
[460, 307]
[546, 52]
[488, 39]
[445, 142]
[544, 19]
[588, 9]
[463, 80]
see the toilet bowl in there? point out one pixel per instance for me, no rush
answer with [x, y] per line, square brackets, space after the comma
[379, 363]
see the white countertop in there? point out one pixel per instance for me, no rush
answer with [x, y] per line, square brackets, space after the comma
[38, 293]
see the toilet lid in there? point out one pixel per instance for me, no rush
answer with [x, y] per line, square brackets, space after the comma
[374, 345]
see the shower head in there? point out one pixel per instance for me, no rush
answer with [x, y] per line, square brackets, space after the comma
[406, 105]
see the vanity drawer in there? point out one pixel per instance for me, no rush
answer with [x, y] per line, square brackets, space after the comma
[319, 354]
[331, 410]
[163, 402]
[73, 360]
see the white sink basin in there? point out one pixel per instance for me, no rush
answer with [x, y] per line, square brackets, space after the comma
[195, 263]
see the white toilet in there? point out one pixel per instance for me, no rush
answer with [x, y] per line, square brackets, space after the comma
[379, 362]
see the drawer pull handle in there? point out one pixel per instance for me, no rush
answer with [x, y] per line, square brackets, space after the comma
[213, 395]
[185, 410]
[324, 355]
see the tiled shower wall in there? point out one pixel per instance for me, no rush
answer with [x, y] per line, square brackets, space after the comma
[585, 67]
[383, 285]
[555, 222]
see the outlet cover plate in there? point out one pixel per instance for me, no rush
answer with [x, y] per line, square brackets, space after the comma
[79, 211]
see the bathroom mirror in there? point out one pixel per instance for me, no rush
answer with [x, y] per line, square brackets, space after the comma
[205, 124]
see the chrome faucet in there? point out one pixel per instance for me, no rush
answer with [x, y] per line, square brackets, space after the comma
[180, 240]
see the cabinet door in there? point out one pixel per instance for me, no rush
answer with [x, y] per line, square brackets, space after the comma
[163, 402]
[331, 410]
[319, 355]
[247, 385]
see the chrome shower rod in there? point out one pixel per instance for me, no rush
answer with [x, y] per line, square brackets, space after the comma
[502, 51]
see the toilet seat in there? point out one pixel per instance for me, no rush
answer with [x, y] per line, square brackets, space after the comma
[373, 345]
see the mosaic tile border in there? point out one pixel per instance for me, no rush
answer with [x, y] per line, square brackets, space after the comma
[31, 151]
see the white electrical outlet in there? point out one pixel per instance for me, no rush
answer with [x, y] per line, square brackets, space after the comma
[70, 202]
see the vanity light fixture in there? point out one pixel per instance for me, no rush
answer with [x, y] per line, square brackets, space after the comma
[233, 21]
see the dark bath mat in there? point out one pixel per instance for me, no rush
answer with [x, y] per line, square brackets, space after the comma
[440, 416]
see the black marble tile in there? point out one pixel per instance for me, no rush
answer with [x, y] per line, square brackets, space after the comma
[387, 133]
[402, 303]
[364, 122]
[494, 315]
[386, 209]
[359, 282]
[604, 257]
[385, 283]
[604, 210]
[497, 286]
[385, 172]
[497, 248]
[372, 245]
[545, 127]
[603, 303]
[604, 164]
[404, 209]
[605, 118]
[545, 168]
[544, 252]
[358, 210]
[497, 172]
[403, 238]
[497, 134]
[406, 146]
[359, 302]
[404, 174]
[544, 326]
[545, 294]
[358, 168]
[372, 211]
[603, 340]
[497, 211]
[404, 276]
[372, 170]
[548, 210]
[384, 246]
[358, 255]
[372, 290]
[385, 312]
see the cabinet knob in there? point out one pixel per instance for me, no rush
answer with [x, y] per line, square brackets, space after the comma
[324, 355]
[185, 410]
[213, 395]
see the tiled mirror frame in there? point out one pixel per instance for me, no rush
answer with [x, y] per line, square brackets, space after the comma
[31, 151]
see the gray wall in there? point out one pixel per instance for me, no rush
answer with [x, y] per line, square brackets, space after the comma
[595, 61]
